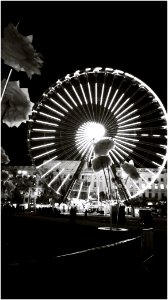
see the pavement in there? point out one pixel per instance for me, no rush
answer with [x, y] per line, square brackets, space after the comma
[35, 263]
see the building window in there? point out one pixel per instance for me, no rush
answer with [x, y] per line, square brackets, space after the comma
[82, 176]
[162, 186]
[156, 195]
[163, 195]
[94, 184]
[143, 185]
[131, 193]
[162, 179]
[156, 186]
[149, 179]
[150, 195]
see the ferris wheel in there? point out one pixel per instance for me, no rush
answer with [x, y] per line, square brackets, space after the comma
[87, 105]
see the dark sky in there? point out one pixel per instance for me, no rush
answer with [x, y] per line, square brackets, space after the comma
[130, 36]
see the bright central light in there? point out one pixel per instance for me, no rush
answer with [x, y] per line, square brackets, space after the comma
[87, 134]
[92, 131]
[95, 131]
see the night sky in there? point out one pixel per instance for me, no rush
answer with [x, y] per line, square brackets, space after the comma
[130, 36]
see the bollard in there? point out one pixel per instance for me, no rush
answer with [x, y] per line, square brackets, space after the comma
[147, 242]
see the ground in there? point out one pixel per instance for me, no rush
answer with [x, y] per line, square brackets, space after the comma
[35, 264]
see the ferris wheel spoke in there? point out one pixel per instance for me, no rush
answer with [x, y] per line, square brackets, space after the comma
[55, 178]
[115, 116]
[79, 99]
[43, 154]
[114, 157]
[125, 116]
[90, 116]
[53, 110]
[54, 101]
[50, 170]
[46, 123]
[46, 162]
[42, 146]
[91, 99]
[43, 138]
[145, 158]
[85, 99]
[63, 182]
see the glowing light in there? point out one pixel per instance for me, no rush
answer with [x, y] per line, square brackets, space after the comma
[49, 116]
[107, 96]
[91, 151]
[97, 69]
[129, 129]
[143, 178]
[79, 190]
[43, 154]
[113, 98]
[135, 184]
[64, 100]
[144, 134]
[46, 162]
[133, 134]
[96, 92]
[62, 183]
[127, 138]
[91, 131]
[42, 146]
[126, 115]
[56, 103]
[132, 145]
[129, 124]
[121, 150]
[156, 164]
[70, 96]
[128, 120]
[54, 110]
[102, 94]
[122, 106]
[90, 93]
[44, 130]
[77, 94]
[108, 70]
[49, 171]
[55, 178]
[43, 138]
[160, 155]
[150, 171]
[117, 102]
[114, 150]
[112, 153]
[47, 123]
[83, 93]
[130, 150]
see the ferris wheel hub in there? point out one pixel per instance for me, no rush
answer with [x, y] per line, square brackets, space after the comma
[91, 131]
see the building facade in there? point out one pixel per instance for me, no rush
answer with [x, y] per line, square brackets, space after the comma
[89, 184]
